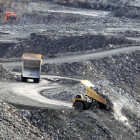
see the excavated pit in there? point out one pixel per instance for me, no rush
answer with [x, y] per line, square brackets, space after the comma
[122, 72]
[117, 77]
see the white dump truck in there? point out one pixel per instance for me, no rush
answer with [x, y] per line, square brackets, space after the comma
[31, 67]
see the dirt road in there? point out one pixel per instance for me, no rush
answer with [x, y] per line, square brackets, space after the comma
[28, 94]
[78, 57]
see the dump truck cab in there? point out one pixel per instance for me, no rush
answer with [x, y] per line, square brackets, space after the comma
[10, 16]
[31, 67]
[91, 100]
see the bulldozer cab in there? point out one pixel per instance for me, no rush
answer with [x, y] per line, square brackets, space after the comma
[10, 16]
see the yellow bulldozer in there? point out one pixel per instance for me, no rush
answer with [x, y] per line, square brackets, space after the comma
[92, 100]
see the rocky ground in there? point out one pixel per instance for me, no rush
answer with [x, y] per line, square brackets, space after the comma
[63, 34]
[119, 73]
[122, 71]
[117, 77]
[6, 75]
[15, 126]
[64, 46]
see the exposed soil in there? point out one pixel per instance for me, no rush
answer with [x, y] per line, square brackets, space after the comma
[65, 45]
[6, 75]
[121, 71]
[128, 11]
[58, 33]
[64, 31]
[15, 126]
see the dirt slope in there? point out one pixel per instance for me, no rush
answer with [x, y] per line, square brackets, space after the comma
[15, 126]
[58, 33]
[117, 78]
[51, 47]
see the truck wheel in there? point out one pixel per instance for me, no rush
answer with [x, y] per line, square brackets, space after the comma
[25, 79]
[94, 105]
[78, 106]
[22, 79]
[36, 80]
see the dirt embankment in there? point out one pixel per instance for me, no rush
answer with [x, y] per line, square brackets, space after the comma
[94, 4]
[128, 11]
[65, 45]
[2, 9]
[122, 70]
[6, 75]
[69, 124]
[50, 18]
[5, 47]
[15, 126]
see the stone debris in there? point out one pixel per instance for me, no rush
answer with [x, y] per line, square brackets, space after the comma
[117, 77]
[6, 75]
[117, 80]
[15, 126]
[51, 47]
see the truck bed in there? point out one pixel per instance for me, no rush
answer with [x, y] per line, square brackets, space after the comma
[32, 72]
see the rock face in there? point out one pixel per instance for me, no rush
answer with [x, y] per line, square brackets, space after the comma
[122, 72]
[64, 45]
[6, 75]
[69, 124]
[15, 126]
[2, 9]
[127, 8]
[116, 77]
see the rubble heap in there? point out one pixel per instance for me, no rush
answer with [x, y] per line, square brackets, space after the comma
[15, 126]
[6, 75]
[50, 47]
[118, 77]
[69, 124]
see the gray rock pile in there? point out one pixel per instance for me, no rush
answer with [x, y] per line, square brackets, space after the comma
[50, 47]
[128, 11]
[6, 75]
[69, 124]
[122, 72]
[15, 126]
